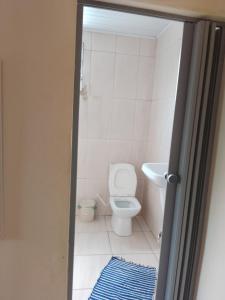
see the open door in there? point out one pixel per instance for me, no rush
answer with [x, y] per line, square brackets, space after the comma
[189, 163]
[191, 147]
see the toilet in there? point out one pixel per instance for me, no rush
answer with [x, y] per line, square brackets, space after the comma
[122, 189]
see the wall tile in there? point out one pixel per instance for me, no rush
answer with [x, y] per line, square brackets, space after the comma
[127, 45]
[81, 191]
[99, 112]
[142, 117]
[83, 118]
[102, 73]
[103, 42]
[82, 167]
[87, 40]
[126, 76]
[122, 119]
[120, 151]
[95, 187]
[85, 69]
[98, 159]
[161, 116]
[147, 47]
[145, 78]
[138, 155]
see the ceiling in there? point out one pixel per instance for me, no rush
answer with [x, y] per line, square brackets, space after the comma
[103, 20]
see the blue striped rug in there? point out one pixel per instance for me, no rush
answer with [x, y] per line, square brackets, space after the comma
[121, 280]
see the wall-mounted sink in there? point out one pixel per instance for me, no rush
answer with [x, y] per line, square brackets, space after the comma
[156, 172]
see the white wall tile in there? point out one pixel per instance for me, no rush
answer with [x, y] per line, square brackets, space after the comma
[142, 117]
[95, 187]
[126, 76]
[122, 122]
[86, 37]
[120, 151]
[161, 116]
[102, 73]
[103, 42]
[147, 47]
[82, 167]
[81, 193]
[83, 118]
[145, 78]
[113, 120]
[98, 158]
[99, 112]
[127, 45]
[85, 69]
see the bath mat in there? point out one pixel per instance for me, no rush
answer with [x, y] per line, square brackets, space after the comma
[121, 280]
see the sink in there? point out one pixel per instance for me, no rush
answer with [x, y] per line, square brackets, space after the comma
[156, 173]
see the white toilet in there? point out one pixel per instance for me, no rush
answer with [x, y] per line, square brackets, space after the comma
[122, 189]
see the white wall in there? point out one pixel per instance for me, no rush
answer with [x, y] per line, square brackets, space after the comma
[113, 122]
[211, 285]
[168, 48]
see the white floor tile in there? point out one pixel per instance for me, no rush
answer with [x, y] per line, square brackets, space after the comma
[87, 270]
[81, 294]
[98, 225]
[142, 223]
[154, 244]
[147, 259]
[92, 243]
[135, 224]
[135, 243]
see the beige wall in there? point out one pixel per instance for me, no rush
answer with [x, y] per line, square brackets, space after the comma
[36, 38]
[37, 49]
[168, 48]
[211, 285]
[206, 8]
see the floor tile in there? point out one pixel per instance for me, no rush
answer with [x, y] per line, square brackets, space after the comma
[135, 224]
[135, 243]
[142, 223]
[87, 270]
[92, 243]
[81, 294]
[98, 225]
[147, 259]
[154, 244]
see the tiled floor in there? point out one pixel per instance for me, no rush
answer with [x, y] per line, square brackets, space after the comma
[95, 243]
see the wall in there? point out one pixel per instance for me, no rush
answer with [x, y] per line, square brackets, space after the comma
[113, 122]
[211, 284]
[37, 49]
[199, 8]
[168, 48]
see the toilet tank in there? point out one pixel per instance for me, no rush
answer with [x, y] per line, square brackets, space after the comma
[122, 180]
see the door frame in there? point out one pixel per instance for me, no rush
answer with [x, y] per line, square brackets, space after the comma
[167, 243]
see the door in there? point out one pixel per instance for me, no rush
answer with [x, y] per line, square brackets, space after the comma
[202, 49]
[191, 148]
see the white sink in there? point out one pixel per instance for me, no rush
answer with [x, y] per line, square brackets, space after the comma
[156, 172]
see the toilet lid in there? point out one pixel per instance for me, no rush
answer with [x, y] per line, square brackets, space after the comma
[122, 180]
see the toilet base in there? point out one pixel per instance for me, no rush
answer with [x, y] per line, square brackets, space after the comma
[121, 226]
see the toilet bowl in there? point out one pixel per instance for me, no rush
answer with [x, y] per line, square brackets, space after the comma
[122, 189]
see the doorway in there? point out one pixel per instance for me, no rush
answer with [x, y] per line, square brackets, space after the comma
[132, 87]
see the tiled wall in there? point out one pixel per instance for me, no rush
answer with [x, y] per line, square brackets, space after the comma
[114, 119]
[167, 58]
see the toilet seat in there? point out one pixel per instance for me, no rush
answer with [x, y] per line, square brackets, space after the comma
[125, 207]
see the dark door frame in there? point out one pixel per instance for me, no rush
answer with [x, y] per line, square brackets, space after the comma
[184, 279]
